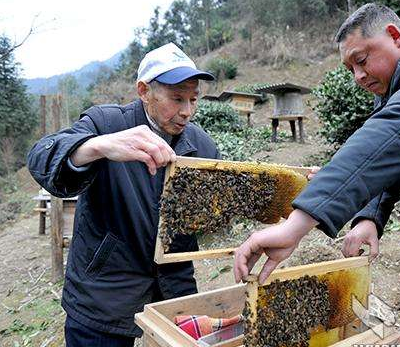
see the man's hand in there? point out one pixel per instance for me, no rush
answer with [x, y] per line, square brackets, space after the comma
[314, 170]
[277, 242]
[134, 144]
[364, 233]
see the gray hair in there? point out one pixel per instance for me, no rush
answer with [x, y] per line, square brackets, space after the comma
[370, 18]
[155, 85]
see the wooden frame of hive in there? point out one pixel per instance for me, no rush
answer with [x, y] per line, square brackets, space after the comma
[344, 278]
[160, 257]
[159, 330]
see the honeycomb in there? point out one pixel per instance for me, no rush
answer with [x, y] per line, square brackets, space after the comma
[209, 200]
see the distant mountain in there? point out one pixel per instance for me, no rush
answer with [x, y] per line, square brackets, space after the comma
[84, 76]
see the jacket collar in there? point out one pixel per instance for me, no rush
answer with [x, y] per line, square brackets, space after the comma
[394, 86]
[180, 143]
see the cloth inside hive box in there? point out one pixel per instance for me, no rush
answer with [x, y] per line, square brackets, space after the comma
[199, 326]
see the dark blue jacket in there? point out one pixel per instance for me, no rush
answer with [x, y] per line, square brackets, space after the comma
[110, 271]
[363, 174]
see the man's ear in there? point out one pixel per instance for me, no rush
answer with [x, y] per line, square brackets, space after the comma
[394, 32]
[143, 90]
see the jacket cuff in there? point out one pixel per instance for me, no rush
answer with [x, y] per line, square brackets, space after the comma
[82, 168]
[324, 224]
[67, 179]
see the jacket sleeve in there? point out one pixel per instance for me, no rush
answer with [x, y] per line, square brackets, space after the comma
[47, 160]
[378, 210]
[366, 165]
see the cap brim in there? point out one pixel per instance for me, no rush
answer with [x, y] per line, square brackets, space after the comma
[181, 74]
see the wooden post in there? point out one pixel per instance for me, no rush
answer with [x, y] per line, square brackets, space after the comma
[301, 129]
[57, 258]
[275, 124]
[249, 120]
[42, 203]
[62, 122]
[42, 217]
[293, 129]
[56, 112]
[42, 115]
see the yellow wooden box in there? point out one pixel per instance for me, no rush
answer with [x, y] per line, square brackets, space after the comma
[159, 330]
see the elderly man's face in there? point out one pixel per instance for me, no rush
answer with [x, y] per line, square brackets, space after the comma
[372, 60]
[171, 106]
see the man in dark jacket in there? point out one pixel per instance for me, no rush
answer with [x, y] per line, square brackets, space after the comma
[114, 159]
[365, 172]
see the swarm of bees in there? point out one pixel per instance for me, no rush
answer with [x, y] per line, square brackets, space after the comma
[287, 312]
[208, 201]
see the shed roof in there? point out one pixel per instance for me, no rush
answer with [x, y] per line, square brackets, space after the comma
[282, 88]
[225, 95]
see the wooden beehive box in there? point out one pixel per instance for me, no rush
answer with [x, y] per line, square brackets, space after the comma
[347, 276]
[243, 104]
[279, 203]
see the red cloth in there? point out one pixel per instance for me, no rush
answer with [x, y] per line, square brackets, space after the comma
[198, 326]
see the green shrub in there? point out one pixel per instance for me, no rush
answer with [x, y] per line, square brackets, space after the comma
[222, 67]
[342, 106]
[234, 140]
[242, 144]
[216, 116]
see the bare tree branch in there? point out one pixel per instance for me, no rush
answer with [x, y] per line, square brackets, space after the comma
[32, 30]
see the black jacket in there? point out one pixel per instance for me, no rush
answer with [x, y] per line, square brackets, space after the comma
[363, 174]
[110, 271]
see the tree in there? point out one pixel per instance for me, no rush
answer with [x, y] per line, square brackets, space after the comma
[17, 118]
[11, 47]
[158, 33]
[209, 25]
[177, 20]
[34, 29]
[131, 58]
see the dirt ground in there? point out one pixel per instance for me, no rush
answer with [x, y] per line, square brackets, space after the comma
[30, 312]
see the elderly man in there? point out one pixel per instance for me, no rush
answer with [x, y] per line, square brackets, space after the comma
[365, 173]
[114, 158]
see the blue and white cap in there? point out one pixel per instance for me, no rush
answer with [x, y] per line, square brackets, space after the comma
[169, 65]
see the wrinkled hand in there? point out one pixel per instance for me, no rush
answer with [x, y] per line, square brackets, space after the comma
[138, 143]
[266, 241]
[277, 242]
[314, 170]
[364, 233]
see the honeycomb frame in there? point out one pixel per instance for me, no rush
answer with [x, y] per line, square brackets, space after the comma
[296, 173]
